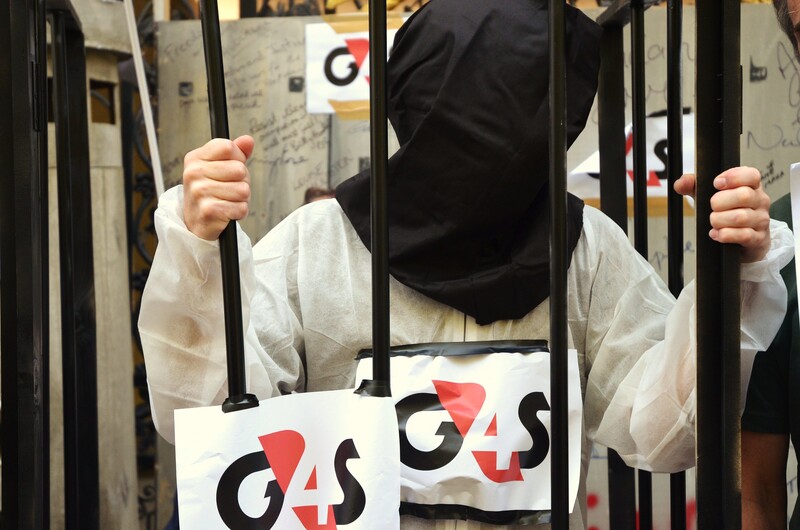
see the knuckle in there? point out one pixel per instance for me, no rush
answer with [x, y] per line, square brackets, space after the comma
[244, 191]
[241, 210]
[240, 171]
[190, 173]
[744, 194]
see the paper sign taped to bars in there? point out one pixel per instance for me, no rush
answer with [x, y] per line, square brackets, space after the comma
[296, 462]
[474, 425]
[337, 68]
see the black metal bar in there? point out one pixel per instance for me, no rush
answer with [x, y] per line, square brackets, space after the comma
[24, 304]
[621, 493]
[247, 8]
[640, 199]
[611, 126]
[618, 14]
[639, 128]
[718, 337]
[614, 203]
[78, 323]
[677, 481]
[674, 144]
[645, 480]
[559, 261]
[379, 149]
[238, 398]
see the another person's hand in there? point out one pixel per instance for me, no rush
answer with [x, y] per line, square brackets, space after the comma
[216, 185]
[740, 210]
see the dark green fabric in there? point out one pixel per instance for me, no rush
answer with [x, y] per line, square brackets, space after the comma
[773, 404]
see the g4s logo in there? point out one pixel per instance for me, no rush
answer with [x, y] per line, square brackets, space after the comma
[463, 402]
[282, 453]
[358, 49]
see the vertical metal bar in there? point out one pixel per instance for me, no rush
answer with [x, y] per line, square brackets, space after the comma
[378, 201]
[639, 128]
[611, 126]
[126, 126]
[718, 337]
[559, 463]
[677, 481]
[614, 203]
[640, 199]
[238, 398]
[247, 8]
[78, 328]
[24, 306]
[674, 143]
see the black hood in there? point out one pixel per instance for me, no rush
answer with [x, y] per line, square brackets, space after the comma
[468, 188]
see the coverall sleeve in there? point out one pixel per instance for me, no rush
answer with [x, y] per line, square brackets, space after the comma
[643, 405]
[181, 322]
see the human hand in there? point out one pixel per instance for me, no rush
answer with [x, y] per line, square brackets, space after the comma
[216, 185]
[740, 210]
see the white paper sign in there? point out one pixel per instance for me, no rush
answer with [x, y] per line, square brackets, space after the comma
[320, 460]
[584, 181]
[794, 185]
[337, 67]
[475, 429]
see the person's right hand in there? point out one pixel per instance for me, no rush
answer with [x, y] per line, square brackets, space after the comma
[216, 185]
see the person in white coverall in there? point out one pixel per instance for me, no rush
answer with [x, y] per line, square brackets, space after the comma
[468, 249]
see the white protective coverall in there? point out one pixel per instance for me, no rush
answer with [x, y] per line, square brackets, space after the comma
[307, 310]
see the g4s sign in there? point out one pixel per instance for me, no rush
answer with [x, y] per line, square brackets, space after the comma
[317, 467]
[463, 402]
[286, 449]
[337, 70]
[474, 428]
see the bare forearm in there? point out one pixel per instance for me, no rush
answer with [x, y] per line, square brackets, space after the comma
[761, 515]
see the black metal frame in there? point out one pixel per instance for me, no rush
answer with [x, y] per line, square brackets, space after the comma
[78, 322]
[379, 155]
[238, 398]
[24, 287]
[718, 304]
[613, 202]
[677, 481]
[559, 261]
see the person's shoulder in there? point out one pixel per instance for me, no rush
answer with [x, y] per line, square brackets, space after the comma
[598, 226]
[324, 215]
[318, 220]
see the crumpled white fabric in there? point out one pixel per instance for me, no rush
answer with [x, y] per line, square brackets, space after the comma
[307, 306]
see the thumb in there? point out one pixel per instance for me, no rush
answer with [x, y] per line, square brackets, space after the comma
[246, 144]
[686, 184]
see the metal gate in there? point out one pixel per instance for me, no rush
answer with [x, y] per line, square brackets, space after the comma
[23, 250]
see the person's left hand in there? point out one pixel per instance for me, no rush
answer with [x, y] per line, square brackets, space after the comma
[740, 210]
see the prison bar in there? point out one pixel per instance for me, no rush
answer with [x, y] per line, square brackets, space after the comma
[24, 285]
[78, 322]
[718, 128]
[613, 202]
[379, 149]
[639, 137]
[238, 398]
[559, 261]
[677, 481]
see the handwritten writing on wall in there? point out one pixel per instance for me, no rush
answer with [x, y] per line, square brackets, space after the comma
[264, 63]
